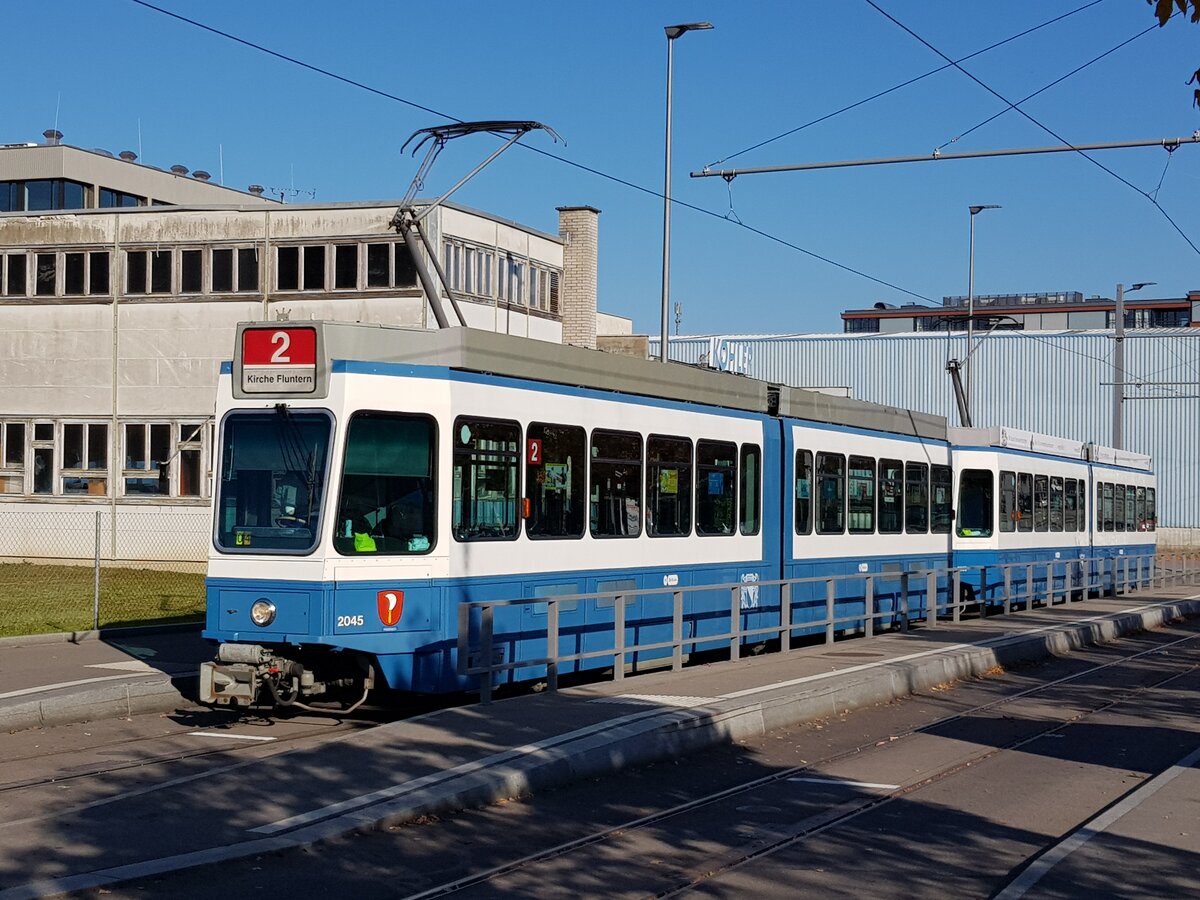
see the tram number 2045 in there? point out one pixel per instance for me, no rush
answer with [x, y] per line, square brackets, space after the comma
[350, 622]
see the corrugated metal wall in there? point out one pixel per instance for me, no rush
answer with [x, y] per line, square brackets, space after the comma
[1053, 382]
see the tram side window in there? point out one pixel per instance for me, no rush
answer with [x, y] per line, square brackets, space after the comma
[1024, 502]
[861, 495]
[1083, 492]
[831, 493]
[975, 504]
[485, 476]
[1151, 510]
[1056, 503]
[1008, 501]
[1041, 502]
[1106, 506]
[941, 499]
[387, 492]
[1070, 505]
[1130, 512]
[751, 488]
[554, 480]
[716, 479]
[1118, 507]
[891, 496]
[916, 498]
[615, 508]
[668, 486]
[803, 491]
[1140, 513]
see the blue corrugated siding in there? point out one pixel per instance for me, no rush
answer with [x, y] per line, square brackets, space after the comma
[1052, 382]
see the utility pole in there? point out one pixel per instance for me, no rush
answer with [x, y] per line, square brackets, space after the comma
[1118, 432]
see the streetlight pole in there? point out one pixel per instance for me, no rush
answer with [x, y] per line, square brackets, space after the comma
[672, 32]
[1118, 432]
[975, 210]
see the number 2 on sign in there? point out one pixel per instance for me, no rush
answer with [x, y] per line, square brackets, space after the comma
[284, 342]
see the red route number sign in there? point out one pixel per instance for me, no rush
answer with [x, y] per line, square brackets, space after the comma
[533, 452]
[279, 360]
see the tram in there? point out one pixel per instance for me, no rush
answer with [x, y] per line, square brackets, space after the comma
[371, 479]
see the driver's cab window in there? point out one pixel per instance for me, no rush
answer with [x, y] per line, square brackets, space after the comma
[388, 487]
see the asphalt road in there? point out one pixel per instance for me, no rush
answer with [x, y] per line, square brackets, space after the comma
[1069, 778]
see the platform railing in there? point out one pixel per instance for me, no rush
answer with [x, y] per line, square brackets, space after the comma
[927, 596]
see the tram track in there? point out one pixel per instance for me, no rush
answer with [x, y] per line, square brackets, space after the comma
[778, 839]
[334, 729]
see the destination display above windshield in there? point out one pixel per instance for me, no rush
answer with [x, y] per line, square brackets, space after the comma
[279, 360]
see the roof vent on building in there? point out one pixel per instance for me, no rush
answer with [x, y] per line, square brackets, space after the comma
[179, 170]
[53, 136]
[127, 155]
[256, 189]
[201, 175]
[102, 152]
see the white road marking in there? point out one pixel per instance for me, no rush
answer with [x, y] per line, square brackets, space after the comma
[853, 784]
[1047, 861]
[66, 684]
[230, 737]
[655, 700]
[132, 665]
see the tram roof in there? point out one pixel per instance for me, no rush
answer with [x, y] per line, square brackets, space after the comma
[487, 352]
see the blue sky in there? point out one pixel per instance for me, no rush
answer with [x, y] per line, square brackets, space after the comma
[120, 76]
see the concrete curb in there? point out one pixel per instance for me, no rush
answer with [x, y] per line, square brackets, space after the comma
[651, 736]
[78, 637]
[109, 701]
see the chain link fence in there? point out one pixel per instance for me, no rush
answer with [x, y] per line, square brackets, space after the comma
[64, 569]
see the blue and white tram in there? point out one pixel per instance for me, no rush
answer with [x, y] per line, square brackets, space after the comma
[1124, 512]
[371, 479]
[1024, 498]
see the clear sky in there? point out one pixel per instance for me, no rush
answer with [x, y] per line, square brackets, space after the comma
[116, 75]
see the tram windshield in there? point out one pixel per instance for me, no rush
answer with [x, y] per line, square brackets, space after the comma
[273, 466]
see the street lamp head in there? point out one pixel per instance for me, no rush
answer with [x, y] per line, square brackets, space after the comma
[674, 31]
[975, 210]
[1139, 285]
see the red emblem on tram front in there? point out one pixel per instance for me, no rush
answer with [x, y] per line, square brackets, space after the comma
[390, 605]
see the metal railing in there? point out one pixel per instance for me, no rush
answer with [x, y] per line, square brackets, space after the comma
[891, 601]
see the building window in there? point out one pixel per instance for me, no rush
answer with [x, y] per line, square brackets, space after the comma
[46, 274]
[43, 457]
[112, 199]
[12, 464]
[43, 195]
[858, 326]
[191, 271]
[15, 268]
[162, 459]
[85, 458]
[345, 266]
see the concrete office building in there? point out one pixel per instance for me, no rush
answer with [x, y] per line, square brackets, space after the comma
[121, 284]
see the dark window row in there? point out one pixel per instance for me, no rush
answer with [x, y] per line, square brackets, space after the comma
[611, 483]
[1028, 502]
[836, 494]
[1124, 507]
[344, 267]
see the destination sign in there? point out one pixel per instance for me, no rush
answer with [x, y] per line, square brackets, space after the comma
[279, 360]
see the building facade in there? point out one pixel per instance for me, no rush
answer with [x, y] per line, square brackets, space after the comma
[115, 317]
[1024, 312]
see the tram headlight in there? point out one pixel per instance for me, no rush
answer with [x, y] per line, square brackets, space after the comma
[262, 613]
